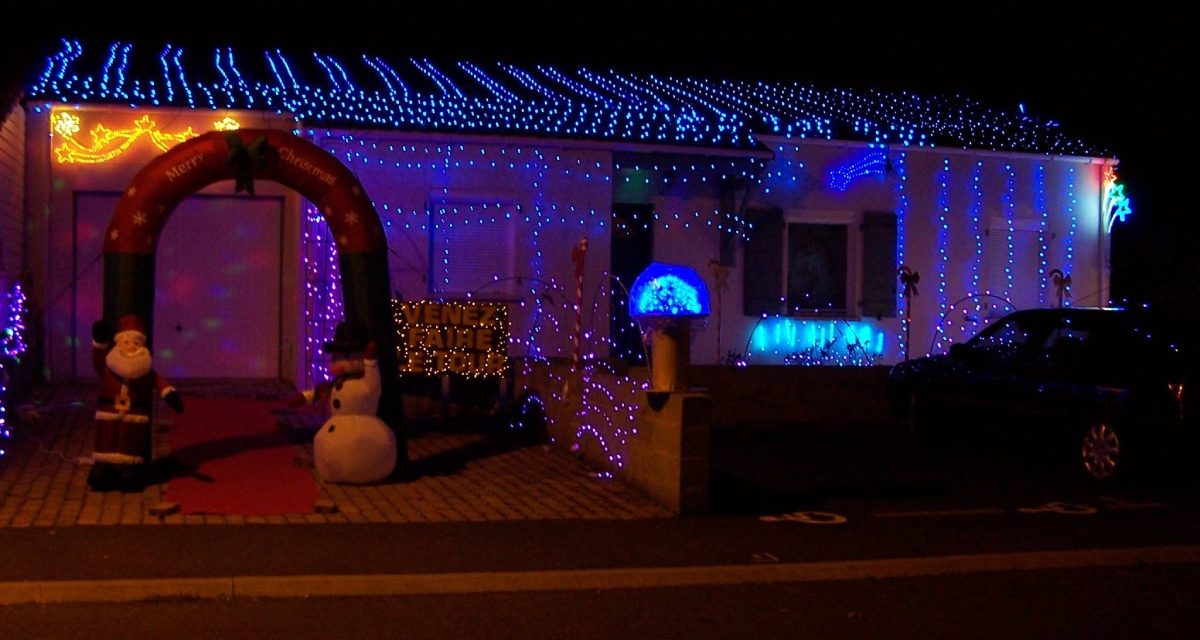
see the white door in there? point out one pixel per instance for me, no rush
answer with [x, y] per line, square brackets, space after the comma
[217, 286]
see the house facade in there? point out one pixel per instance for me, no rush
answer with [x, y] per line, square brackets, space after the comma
[803, 208]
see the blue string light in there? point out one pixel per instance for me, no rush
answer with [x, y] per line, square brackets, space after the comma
[943, 236]
[191, 101]
[328, 72]
[124, 64]
[12, 331]
[582, 104]
[1069, 261]
[669, 290]
[108, 63]
[288, 68]
[1039, 204]
[901, 167]
[12, 345]
[874, 163]
[495, 88]
[818, 342]
[1010, 215]
[976, 227]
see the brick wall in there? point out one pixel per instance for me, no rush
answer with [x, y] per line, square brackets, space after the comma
[783, 395]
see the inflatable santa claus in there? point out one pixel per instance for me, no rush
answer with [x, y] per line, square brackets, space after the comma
[353, 446]
[128, 385]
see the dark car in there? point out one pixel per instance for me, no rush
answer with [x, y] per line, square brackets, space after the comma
[1108, 386]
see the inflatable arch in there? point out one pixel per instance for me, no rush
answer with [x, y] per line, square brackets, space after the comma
[244, 155]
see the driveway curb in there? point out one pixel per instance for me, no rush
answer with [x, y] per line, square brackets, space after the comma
[304, 586]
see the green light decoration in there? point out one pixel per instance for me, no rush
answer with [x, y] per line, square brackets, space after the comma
[1117, 205]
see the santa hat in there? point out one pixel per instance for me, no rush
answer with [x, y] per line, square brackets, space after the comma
[131, 323]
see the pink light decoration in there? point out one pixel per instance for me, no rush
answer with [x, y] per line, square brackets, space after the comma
[322, 294]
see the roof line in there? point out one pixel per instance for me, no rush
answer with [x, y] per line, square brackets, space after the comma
[773, 141]
[559, 143]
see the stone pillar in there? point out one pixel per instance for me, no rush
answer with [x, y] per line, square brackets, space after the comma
[670, 354]
[669, 459]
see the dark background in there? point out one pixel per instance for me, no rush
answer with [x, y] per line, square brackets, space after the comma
[1112, 75]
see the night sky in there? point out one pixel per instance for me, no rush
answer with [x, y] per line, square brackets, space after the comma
[1111, 75]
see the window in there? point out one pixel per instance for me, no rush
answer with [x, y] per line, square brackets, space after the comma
[631, 251]
[839, 264]
[816, 269]
[472, 247]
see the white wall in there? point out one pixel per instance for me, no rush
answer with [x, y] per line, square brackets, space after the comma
[1054, 206]
[557, 192]
[1044, 204]
[534, 181]
[554, 196]
[66, 255]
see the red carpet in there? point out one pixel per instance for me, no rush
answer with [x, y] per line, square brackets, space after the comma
[232, 459]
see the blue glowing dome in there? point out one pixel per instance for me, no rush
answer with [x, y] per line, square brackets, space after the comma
[666, 290]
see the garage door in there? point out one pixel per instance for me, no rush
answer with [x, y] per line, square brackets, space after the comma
[217, 285]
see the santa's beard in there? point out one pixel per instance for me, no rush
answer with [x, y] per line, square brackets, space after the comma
[129, 366]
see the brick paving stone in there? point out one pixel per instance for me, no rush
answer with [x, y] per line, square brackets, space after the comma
[131, 508]
[110, 509]
[90, 513]
[42, 482]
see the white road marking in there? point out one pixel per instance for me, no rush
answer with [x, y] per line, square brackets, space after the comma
[807, 517]
[1121, 503]
[1061, 507]
[985, 511]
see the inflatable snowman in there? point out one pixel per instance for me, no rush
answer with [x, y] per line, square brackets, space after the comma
[353, 446]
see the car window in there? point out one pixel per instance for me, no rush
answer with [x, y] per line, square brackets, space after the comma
[1066, 337]
[1069, 340]
[1121, 345]
[1104, 345]
[1007, 338]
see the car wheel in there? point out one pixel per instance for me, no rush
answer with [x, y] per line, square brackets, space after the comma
[1101, 451]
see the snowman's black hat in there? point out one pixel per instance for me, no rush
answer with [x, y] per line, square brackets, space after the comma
[348, 337]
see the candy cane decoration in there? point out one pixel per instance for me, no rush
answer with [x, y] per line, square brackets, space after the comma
[578, 252]
[909, 279]
[1062, 283]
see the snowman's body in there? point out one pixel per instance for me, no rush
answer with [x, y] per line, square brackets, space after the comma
[354, 446]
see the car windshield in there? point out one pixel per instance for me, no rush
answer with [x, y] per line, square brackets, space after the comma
[1014, 333]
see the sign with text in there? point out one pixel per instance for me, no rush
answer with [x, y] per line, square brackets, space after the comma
[467, 338]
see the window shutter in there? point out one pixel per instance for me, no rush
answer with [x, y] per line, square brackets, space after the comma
[466, 255]
[879, 264]
[762, 268]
